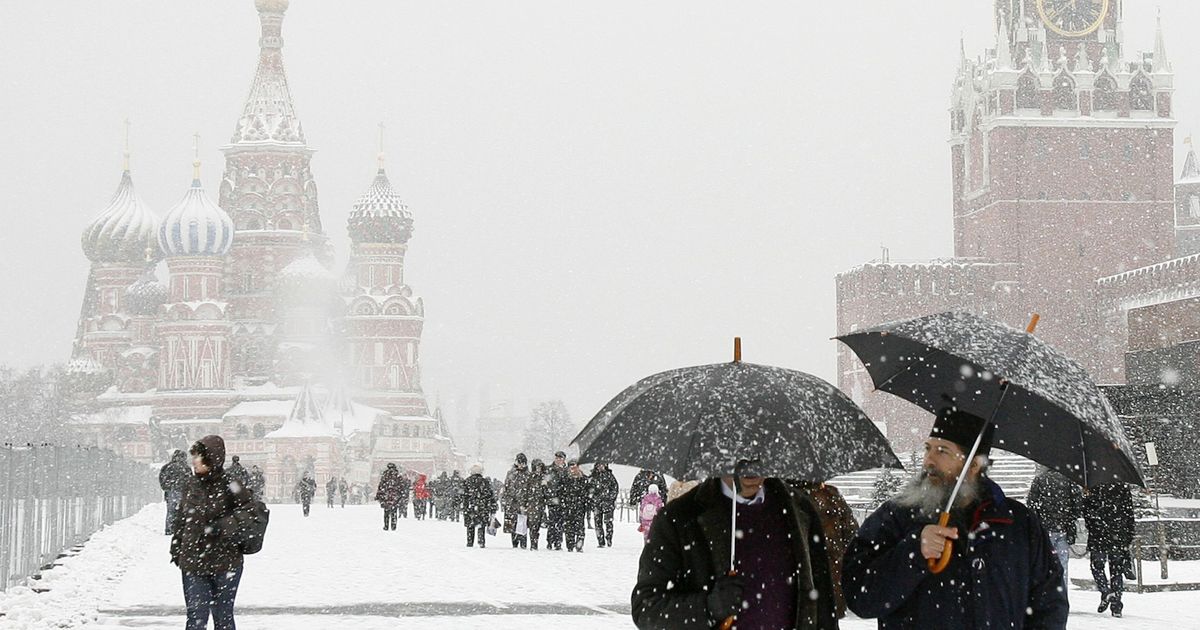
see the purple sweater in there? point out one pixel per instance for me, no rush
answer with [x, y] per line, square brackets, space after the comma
[767, 561]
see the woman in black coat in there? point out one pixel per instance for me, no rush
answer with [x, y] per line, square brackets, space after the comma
[478, 503]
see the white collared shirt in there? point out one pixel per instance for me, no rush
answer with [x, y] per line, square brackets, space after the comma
[758, 498]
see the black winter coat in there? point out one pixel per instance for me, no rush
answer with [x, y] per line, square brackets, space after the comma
[1003, 576]
[174, 474]
[689, 548]
[1108, 514]
[392, 489]
[478, 501]
[237, 472]
[538, 496]
[573, 492]
[305, 489]
[208, 524]
[1058, 501]
[604, 491]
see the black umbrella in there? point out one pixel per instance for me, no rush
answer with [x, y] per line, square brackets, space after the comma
[1044, 405]
[698, 422]
[733, 419]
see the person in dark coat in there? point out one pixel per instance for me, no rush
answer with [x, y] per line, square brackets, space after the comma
[1002, 573]
[1058, 501]
[454, 493]
[171, 478]
[237, 472]
[838, 526]
[305, 490]
[343, 490]
[1108, 514]
[513, 498]
[536, 499]
[389, 495]
[555, 516]
[479, 504]
[782, 579]
[604, 502]
[405, 494]
[330, 490]
[574, 495]
[643, 480]
[208, 528]
[258, 481]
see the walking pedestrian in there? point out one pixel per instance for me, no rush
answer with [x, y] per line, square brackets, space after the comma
[330, 490]
[648, 510]
[574, 496]
[514, 499]
[479, 503]
[1002, 572]
[206, 537]
[604, 502]
[420, 498]
[388, 495]
[236, 472]
[258, 482]
[1058, 501]
[1108, 514]
[535, 501]
[306, 489]
[555, 516]
[171, 478]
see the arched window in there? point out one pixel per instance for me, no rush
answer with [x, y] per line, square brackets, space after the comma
[283, 224]
[1027, 92]
[1104, 94]
[1141, 93]
[1064, 93]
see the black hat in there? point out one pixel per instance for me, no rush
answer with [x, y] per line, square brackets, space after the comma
[962, 428]
[560, 454]
[236, 459]
[521, 459]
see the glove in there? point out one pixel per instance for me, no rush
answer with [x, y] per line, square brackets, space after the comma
[725, 597]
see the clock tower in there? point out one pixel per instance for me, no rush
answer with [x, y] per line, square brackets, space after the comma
[1061, 153]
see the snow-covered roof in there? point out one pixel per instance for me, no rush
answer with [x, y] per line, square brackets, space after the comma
[136, 414]
[305, 419]
[274, 408]
[179, 421]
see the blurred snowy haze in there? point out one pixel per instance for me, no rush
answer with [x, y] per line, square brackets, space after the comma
[600, 191]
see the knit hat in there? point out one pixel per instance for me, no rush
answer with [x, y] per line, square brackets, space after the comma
[962, 428]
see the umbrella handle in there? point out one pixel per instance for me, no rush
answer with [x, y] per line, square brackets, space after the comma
[940, 564]
[728, 623]
[1033, 322]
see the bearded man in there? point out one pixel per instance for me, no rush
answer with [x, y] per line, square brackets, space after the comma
[1003, 573]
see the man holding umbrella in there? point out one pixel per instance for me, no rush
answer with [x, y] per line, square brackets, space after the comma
[1002, 573]
[782, 576]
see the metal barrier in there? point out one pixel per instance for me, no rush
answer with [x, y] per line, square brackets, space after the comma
[54, 497]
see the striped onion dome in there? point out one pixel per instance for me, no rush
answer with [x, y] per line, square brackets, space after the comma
[379, 216]
[124, 230]
[196, 226]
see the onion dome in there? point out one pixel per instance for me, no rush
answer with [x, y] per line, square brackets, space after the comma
[144, 296]
[379, 216]
[124, 230]
[196, 226]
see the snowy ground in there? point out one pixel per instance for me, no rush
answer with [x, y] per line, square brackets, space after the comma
[339, 569]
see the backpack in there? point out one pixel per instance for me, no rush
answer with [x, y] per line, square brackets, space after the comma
[254, 527]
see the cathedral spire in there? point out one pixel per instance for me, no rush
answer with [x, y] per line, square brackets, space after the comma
[269, 115]
[1160, 49]
[1003, 53]
[125, 154]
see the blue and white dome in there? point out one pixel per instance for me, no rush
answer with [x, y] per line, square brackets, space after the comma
[196, 226]
[124, 230]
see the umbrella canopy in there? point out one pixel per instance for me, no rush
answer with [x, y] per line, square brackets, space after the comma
[698, 422]
[1045, 405]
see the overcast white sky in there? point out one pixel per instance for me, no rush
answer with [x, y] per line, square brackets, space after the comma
[601, 190]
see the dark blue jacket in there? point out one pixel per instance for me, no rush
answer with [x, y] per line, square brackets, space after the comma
[1003, 576]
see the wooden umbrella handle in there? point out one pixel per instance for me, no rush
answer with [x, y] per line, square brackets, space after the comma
[1033, 322]
[940, 564]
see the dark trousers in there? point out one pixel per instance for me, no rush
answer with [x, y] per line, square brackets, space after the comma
[419, 509]
[575, 531]
[535, 530]
[1114, 584]
[306, 505]
[604, 526]
[389, 518]
[472, 530]
[403, 508]
[554, 527]
[205, 594]
[329, 500]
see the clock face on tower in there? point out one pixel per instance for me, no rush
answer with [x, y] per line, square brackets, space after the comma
[1072, 18]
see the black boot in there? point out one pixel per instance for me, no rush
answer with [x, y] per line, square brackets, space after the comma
[1104, 602]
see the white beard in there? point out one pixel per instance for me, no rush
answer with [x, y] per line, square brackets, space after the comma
[929, 496]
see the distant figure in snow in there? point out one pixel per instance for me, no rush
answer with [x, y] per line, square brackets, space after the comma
[1058, 501]
[479, 504]
[405, 493]
[536, 498]
[171, 478]
[237, 472]
[514, 498]
[330, 490]
[555, 513]
[604, 489]
[258, 481]
[454, 492]
[420, 498]
[343, 490]
[648, 509]
[573, 492]
[205, 545]
[389, 495]
[1108, 514]
[306, 489]
[642, 481]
